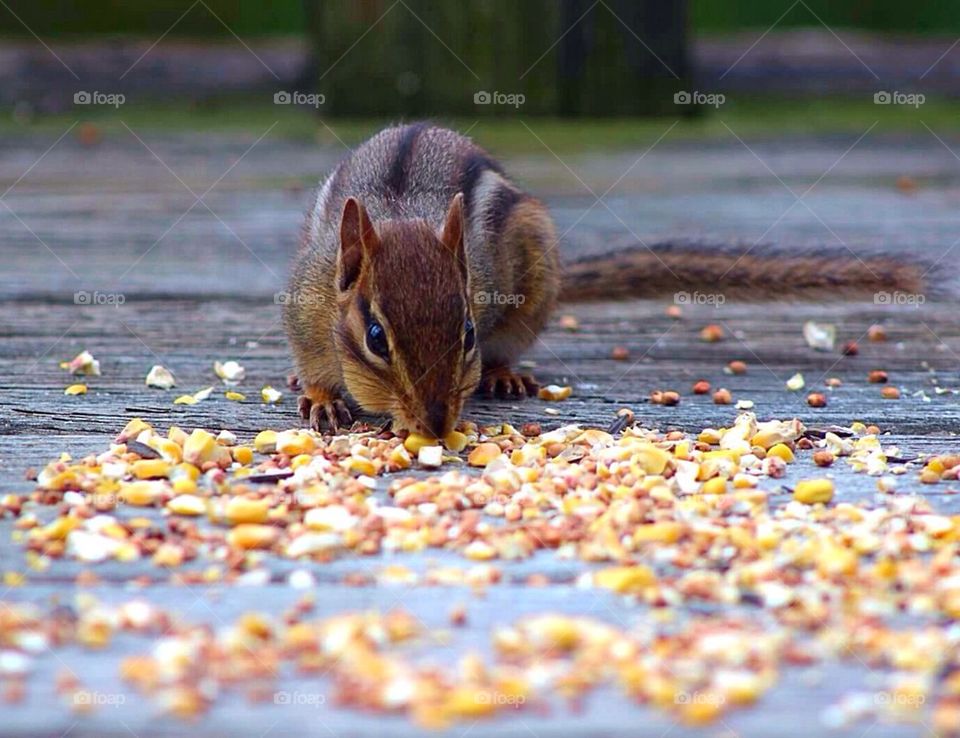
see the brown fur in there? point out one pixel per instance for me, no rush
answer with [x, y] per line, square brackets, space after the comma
[419, 230]
[664, 269]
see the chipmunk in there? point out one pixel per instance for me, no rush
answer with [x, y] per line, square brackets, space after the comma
[424, 271]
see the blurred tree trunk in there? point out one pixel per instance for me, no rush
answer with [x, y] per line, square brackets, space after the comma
[478, 57]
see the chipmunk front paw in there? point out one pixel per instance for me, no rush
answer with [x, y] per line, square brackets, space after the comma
[324, 410]
[503, 382]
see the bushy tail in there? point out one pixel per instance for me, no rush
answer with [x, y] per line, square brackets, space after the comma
[667, 268]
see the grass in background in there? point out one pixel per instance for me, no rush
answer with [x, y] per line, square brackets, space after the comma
[752, 118]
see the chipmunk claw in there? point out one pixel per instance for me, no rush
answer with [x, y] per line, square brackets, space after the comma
[504, 383]
[324, 412]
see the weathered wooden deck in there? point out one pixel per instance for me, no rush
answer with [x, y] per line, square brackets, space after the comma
[198, 270]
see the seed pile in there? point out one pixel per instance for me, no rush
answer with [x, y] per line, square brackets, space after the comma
[667, 520]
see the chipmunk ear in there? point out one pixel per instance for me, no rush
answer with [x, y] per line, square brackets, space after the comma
[357, 240]
[453, 233]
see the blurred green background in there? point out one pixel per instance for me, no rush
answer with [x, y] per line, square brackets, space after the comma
[263, 18]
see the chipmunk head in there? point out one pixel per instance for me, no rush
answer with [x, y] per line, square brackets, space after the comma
[405, 333]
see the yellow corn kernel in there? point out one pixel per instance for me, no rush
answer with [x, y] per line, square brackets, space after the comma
[151, 468]
[297, 461]
[76, 389]
[184, 486]
[400, 458]
[140, 494]
[294, 443]
[782, 451]
[812, 491]
[414, 442]
[929, 476]
[360, 465]
[243, 455]
[244, 510]
[235, 396]
[624, 579]
[266, 442]
[178, 435]
[250, 536]
[715, 486]
[455, 441]
[170, 450]
[184, 469]
[662, 532]
[132, 429]
[199, 447]
[483, 454]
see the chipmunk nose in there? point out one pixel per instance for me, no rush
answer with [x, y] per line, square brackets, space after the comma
[437, 417]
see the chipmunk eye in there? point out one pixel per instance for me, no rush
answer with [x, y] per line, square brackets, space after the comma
[469, 337]
[377, 340]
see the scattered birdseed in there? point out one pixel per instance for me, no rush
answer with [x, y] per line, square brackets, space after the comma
[82, 363]
[76, 389]
[676, 524]
[569, 323]
[270, 396]
[796, 382]
[877, 333]
[711, 333]
[194, 398]
[736, 367]
[820, 336]
[554, 393]
[160, 378]
[230, 372]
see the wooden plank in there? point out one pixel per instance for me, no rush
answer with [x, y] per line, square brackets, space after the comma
[201, 295]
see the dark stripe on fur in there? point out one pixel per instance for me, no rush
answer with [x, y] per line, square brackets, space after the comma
[474, 164]
[396, 180]
[499, 206]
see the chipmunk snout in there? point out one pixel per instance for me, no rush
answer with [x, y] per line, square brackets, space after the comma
[438, 418]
